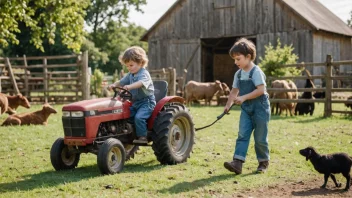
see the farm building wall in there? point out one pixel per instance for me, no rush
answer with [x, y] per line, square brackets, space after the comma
[177, 41]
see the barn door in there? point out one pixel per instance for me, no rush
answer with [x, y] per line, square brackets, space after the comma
[185, 54]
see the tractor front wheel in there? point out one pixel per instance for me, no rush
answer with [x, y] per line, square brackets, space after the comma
[173, 134]
[111, 156]
[61, 157]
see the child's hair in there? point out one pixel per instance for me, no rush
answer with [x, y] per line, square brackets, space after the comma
[135, 54]
[244, 47]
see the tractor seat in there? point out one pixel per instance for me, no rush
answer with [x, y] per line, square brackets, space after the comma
[160, 89]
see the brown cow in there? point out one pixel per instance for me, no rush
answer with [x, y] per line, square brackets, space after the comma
[283, 95]
[198, 90]
[16, 101]
[4, 104]
[36, 118]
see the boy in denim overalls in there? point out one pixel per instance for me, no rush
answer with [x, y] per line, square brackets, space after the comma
[249, 91]
[140, 84]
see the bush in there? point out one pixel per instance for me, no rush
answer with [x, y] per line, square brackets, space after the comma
[276, 56]
[96, 81]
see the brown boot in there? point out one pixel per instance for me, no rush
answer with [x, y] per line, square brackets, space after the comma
[141, 140]
[234, 166]
[263, 166]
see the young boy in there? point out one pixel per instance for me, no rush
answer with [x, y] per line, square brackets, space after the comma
[140, 84]
[249, 91]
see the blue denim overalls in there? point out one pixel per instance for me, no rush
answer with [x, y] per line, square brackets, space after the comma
[143, 101]
[255, 114]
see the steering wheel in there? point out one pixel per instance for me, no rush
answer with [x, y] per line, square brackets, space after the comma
[124, 93]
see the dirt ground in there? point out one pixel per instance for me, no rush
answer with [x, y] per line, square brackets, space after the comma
[299, 189]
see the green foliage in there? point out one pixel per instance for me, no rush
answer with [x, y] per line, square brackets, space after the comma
[42, 17]
[114, 39]
[349, 21]
[96, 56]
[96, 80]
[101, 11]
[276, 56]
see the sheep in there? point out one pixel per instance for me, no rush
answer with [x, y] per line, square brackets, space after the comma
[39, 117]
[349, 104]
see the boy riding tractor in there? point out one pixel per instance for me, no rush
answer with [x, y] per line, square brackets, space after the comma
[102, 126]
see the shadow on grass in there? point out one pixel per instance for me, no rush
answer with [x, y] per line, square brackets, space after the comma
[54, 178]
[190, 186]
[319, 191]
[49, 179]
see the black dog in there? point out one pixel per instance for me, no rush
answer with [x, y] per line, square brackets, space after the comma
[329, 164]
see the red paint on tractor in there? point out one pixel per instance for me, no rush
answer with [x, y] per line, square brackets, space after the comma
[160, 105]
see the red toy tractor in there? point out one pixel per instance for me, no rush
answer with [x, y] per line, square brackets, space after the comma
[103, 127]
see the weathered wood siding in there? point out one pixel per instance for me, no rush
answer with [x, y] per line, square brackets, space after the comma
[226, 18]
[338, 46]
[194, 19]
[266, 20]
[180, 54]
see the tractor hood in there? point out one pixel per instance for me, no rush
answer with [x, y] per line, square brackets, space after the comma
[94, 104]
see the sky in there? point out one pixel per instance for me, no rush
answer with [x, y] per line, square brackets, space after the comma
[156, 8]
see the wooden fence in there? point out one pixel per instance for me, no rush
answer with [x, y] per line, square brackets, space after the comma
[41, 82]
[169, 75]
[329, 64]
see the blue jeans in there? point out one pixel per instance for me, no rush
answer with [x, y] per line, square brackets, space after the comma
[140, 112]
[255, 115]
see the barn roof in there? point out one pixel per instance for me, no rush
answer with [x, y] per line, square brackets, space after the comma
[319, 16]
[316, 14]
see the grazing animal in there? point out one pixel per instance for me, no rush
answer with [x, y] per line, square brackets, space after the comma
[305, 108]
[16, 101]
[349, 104]
[4, 104]
[329, 165]
[222, 96]
[319, 94]
[198, 90]
[36, 118]
[283, 95]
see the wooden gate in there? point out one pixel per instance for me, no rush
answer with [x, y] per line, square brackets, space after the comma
[42, 81]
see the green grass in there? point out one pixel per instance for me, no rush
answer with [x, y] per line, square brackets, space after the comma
[26, 170]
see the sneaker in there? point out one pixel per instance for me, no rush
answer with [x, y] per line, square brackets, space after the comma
[141, 140]
[263, 166]
[234, 166]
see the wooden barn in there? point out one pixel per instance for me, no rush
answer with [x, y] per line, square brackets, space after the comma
[197, 34]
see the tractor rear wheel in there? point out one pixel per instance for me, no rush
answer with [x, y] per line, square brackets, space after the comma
[61, 157]
[111, 156]
[173, 134]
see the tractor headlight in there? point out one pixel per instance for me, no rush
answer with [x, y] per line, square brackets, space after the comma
[77, 114]
[65, 114]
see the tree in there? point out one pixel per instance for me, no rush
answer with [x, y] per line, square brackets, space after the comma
[276, 56]
[114, 39]
[349, 21]
[42, 17]
[102, 11]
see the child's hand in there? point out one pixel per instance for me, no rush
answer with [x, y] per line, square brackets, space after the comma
[239, 100]
[110, 87]
[126, 87]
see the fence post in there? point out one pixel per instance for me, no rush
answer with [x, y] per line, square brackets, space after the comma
[46, 80]
[85, 77]
[12, 76]
[26, 74]
[172, 85]
[329, 83]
